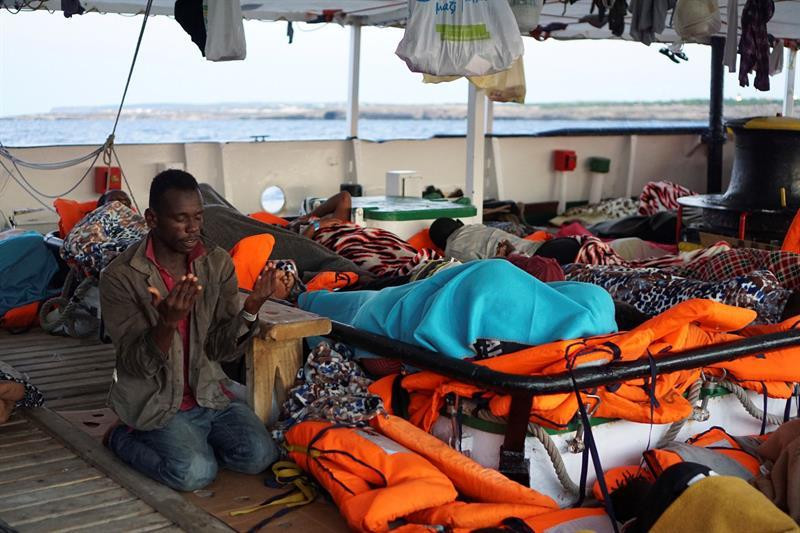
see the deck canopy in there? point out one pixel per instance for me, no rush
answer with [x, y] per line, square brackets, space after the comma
[785, 24]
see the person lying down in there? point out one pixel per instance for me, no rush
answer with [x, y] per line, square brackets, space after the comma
[490, 299]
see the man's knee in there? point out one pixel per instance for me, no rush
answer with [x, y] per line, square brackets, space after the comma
[256, 453]
[190, 474]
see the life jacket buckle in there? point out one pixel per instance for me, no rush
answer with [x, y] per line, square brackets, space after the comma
[577, 444]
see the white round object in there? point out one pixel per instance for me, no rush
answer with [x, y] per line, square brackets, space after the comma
[273, 199]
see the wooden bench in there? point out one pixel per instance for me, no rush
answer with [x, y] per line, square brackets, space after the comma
[276, 352]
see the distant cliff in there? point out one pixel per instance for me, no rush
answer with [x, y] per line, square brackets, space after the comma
[674, 110]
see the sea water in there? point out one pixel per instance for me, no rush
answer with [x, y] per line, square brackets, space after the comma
[19, 132]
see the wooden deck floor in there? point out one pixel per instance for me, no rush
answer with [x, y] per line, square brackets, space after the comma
[55, 477]
[45, 487]
[72, 374]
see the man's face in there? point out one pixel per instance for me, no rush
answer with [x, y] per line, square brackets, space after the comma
[178, 220]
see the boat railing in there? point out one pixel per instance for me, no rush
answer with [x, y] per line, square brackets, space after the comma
[522, 388]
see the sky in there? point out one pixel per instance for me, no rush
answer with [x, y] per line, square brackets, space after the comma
[48, 61]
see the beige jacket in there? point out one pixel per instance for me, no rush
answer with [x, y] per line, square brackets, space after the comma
[148, 385]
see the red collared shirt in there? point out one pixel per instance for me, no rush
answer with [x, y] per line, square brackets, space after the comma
[183, 326]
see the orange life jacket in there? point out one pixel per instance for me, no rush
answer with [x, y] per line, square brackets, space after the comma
[249, 257]
[372, 479]
[70, 213]
[690, 324]
[422, 239]
[714, 440]
[473, 481]
[21, 317]
[331, 280]
[791, 242]
[269, 218]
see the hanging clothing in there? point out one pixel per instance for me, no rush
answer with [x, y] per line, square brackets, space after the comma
[732, 37]
[189, 14]
[648, 18]
[754, 44]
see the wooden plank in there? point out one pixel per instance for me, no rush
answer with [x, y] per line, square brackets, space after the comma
[138, 524]
[67, 373]
[74, 362]
[281, 322]
[67, 506]
[8, 436]
[38, 458]
[54, 494]
[61, 479]
[8, 475]
[271, 363]
[166, 501]
[103, 516]
[87, 401]
[33, 355]
[22, 450]
[38, 375]
[78, 384]
[24, 439]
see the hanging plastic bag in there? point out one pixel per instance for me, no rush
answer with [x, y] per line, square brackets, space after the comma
[697, 20]
[506, 86]
[225, 30]
[527, 13]
[460, 37]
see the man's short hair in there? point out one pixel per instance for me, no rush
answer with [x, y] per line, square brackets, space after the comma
[170, 179]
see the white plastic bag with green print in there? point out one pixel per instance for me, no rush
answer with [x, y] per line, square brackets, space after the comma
[460, 37]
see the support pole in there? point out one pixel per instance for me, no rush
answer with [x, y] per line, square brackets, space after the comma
[489, 116]
[352, 90]
[715, 137]
[476, 162]
[791, 73]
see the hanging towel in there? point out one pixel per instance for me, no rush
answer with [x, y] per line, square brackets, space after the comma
[732, 38]
[754, 44]
[776, 58]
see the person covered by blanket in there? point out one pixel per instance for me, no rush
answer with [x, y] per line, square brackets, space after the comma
[467, 242]
[376, 250]
[171, 307]
[114, 195]
[104, 233]
[453, 309]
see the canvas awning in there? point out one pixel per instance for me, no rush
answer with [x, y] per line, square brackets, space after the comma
[785, 23]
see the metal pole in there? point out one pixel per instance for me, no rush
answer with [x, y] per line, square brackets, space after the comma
[791, 72]
[715, 137]
[489, 116]
[586, 377]
[476, 135]
[352, 90]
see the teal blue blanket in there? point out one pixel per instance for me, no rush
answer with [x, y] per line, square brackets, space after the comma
[489, 299]
[26, 267]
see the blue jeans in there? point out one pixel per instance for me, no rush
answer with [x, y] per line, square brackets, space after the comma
[185, 453]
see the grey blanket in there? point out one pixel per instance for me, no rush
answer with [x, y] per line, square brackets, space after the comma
[226, 226]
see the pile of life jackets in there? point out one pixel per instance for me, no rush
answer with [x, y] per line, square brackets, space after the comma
[395, 476]
[688, 325]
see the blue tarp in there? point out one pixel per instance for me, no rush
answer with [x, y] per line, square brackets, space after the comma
[489, 299]
[26, 268]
